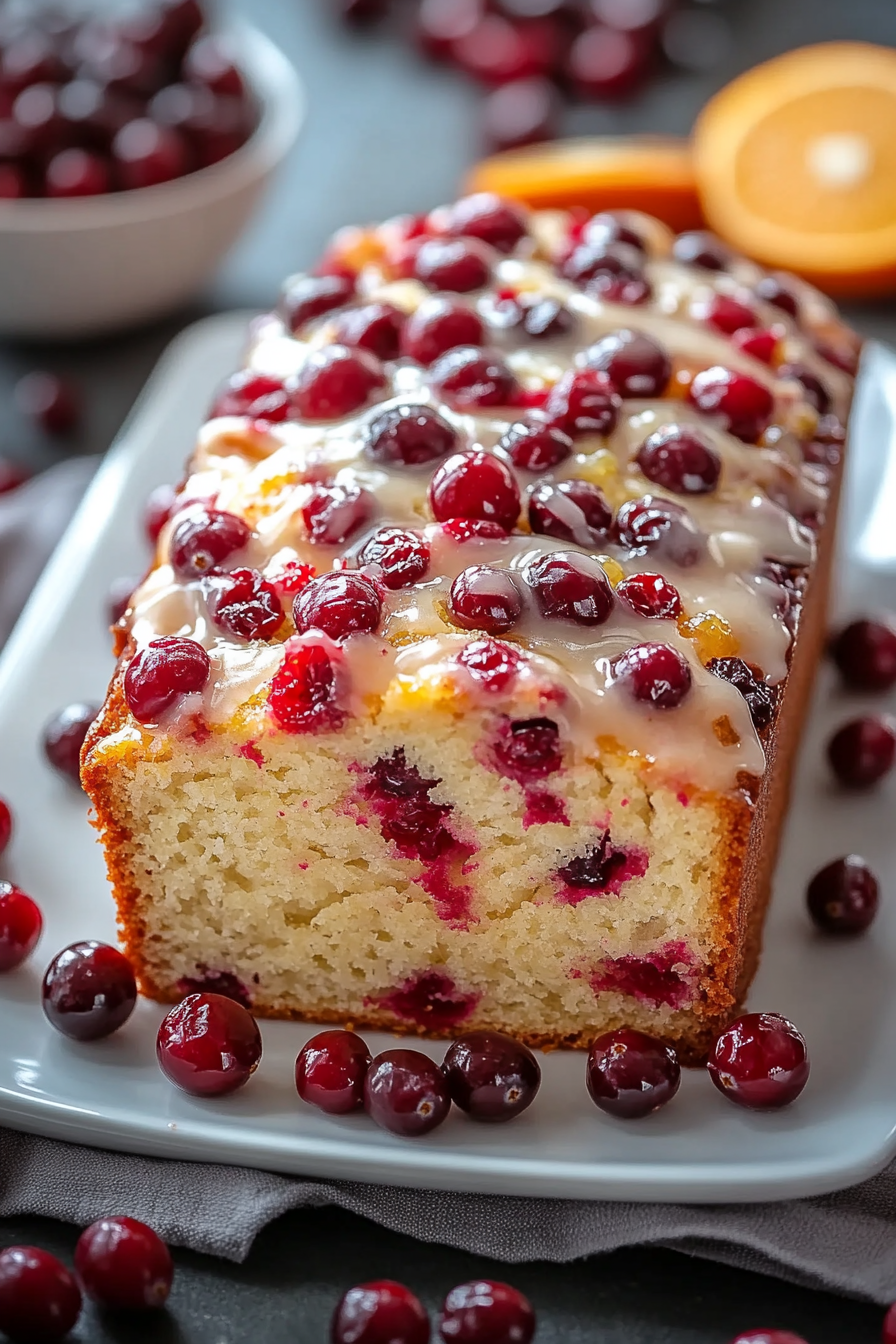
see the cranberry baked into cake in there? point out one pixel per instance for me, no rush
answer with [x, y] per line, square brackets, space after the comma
[466, 683]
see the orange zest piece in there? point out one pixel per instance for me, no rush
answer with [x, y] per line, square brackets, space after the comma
[650, 173]
[796, 165]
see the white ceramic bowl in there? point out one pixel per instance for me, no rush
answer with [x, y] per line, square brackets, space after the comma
[90, 265]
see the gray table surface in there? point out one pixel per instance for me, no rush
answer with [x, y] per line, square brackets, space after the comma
[387, 133]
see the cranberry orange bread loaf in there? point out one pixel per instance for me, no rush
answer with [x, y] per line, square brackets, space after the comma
[466, 684]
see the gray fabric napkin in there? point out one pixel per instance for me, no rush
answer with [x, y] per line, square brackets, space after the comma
[845, 1242]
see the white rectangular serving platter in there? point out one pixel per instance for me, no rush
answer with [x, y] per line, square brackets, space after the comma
[699, 1149]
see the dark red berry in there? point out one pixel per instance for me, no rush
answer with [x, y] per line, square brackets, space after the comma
[546, 319]
[52, 402]
[814, 389]
[611, 227]
[123, 1264]
[776, 292]
[571, 587]
[338, 604]
[333, 513]
[401, 558]
[89, 991]
[64, 737]
[247, 606]
[728, 314]
[865, 654]
[760, 697]
[483, 598]
[843, 896]
[409, 436]
[490, 1076]
[489, 218]
[584, 401]
[381, 1312]
[257, 395]
[862, 752]
[462, 530]
[20, 925]
[376, 327]
[203, 539]
[485, 1312]
[536, 447]
[334, 381]
[606, 64]
[76, 172]
[456, 264]
[475, 485]
[330, 1072]
[161, 674]
[499, 52]
[523, 112]
[743, 406]
[440, 23]
[309, 296]
[680, 458]
[39, 1299]
[527, 749]
[760, 1062]
[158, 511]
[307, 691]
[6, 824]
[630, 1074]
[655, 674]
[469, 378]
[437, 326]
[701, 249]
[211, 60]
[889, 1334]
[756, 341]
[661, 526]
[146, 154]
[650, 595]
[599, 269]
[406, 1092]
[208, 1045]
[636, 364]
[492, 665]
[570, 510]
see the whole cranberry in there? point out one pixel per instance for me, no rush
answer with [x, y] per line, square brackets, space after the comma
[661, 526]
[212, 61]
[35, 121]
[406, 1092]
[89, 991]
[381, 1312]
[409, 436]
[681, 459]
[889, 1335]
[527, 749]
[145, 154]
[158, 510]
[571, 587]
[462, 530]
[728, 314]
[51, 401]
[334, 381]
[307, 692]
[761, 698]
[491, 1076]
[523, 112]
[814, 389]
[333, 513]
[330, 1072]
[492, 665]
[123, 1264]
[535, 447]
[6, 824]
[64, 736]
[375, 327]
[599, 267]
[636, 365]
[308, 296]
[338, 604]
[485, 1312]
[475, 485]
[865, 654]
[610, 226]
[490, 218]
[20, 926]
[483, 598]
[208, 1045]
[456, 264]
[772, 289]
[76, 172]
[743, 406]
[584, 401]
[650, 595]
[439, 325]
[182, 20]
[655, 674]
[441, 22]
[606, 64]
[470, 378]
[162, 673]
[247, 606]
[39, 1299]
[402, 558]
[756, 341]
[570, 510]
[545, 319]
[630, 1074]
[701, 249]
[203, 539]
[760, 1062]
[257, 395]
[498, 52]
[843, 896]
[862, 752]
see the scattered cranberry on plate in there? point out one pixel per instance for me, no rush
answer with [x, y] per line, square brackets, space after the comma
[20, 926]
[486, 1312]
[406, 1092]
[760, 1062]
[630, 1074]
[330, 1072]
[865, 654]
[89, 991]
[39, 1298]
[124, 1264]
[381, 1312]
[843, 896]
[208, 1045]
[862, 752]
[491, 1076]
[64, 737]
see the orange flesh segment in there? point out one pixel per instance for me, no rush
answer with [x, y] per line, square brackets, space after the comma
[650, 173]
[796, 165]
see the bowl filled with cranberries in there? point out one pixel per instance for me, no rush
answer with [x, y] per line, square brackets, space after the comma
[135, 144]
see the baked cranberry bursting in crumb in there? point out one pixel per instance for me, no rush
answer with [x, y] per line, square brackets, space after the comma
[450, 691]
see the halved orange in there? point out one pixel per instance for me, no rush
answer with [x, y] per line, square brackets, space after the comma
[650, 173]
[796, 165]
